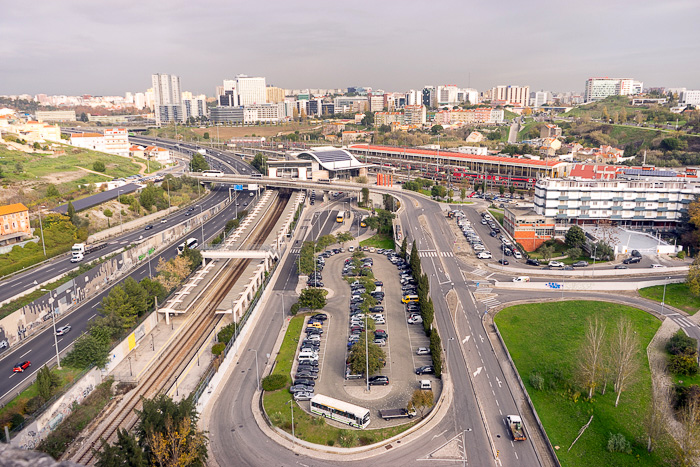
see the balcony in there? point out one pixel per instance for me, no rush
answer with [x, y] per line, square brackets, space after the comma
[616, 216]
[663, 200]
[617, 198]
[640, 200]
[617, 208]
[562, 216]
[563, 198]
[585, 207]
[563, 206]
[585, 198]
[640, 208]
[662, 208]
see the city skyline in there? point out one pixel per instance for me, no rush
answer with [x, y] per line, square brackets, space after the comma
[80, 48]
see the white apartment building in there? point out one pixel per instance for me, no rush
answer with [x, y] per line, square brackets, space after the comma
[476, 150]
[94, 141]
[414, 114]
[194, 106]
[167, 98]
[635, 203]
[116, 141]
[689, 97]
[414, 97]
[447, 95]
[376, 102]
[266, 113]
[599, 88]
[515, 95]
[541, 98]
[251, 90]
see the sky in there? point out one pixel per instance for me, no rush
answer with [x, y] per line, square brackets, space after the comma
[93, 47]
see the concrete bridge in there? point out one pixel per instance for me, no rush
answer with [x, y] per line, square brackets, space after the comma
[294, 184]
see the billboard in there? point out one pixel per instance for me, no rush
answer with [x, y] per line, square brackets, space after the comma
[253, 186]
[238, 187]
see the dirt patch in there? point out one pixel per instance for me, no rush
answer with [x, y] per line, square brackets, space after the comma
[660, 378]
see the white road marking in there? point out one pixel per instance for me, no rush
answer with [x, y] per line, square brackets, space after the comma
[466, 339]
[476, 373]
[25, 353]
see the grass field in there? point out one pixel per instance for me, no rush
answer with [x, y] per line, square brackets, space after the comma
[677, 296]
[498, 215]
[380, 241]
[306, 427]
[546, 338]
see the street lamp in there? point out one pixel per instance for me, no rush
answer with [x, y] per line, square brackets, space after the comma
[257, 372]
[663, 298]
[201, 219]
[291, 407]
[41, 227]
[53, 319]
[119, 200]
[447, 361]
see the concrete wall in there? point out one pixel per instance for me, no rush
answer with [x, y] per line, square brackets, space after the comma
[39, 429]
[122, 349]
[131, 225]
[583, 286]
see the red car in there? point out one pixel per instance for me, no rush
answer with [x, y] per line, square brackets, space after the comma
[20, 367]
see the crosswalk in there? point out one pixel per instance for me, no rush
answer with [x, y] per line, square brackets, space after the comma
[681, 320]
[435, 254]
[295, 251]
[480, 272]
[490, 301]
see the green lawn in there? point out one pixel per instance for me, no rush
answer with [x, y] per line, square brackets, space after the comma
[498, 215]
[380, 241]
[312, 428]
[546, 338]
[677, 296]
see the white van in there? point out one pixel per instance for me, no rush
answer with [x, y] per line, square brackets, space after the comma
[308, 354]
[521, 279]
[426, 385]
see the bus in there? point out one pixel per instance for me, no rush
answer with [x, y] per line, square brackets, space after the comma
[258, 175]
[212, 173]
[190, 243]
[340, 218]
[340, 411]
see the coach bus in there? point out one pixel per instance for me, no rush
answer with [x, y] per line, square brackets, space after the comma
[212, 173]
[340, 411]
[190, 243]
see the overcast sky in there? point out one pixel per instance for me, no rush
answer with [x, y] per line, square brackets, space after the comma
[107, 48]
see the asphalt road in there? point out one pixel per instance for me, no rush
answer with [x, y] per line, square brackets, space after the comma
[41, 348]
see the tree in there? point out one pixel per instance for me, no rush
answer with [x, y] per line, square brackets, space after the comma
[573, 253]
[52, 191]
[198, 163]
[625, 346]
[194, 256]
[438, 191]
[70, 210]
[99, 166]
[368, 119]
[306, 261]
[358, 363]
[575, 237]
[172, 272]
[435, 129]
[688, 440]
[655, 420]
[462, 193]
[46, 382]
[84, 117]
[365, 197]
[546, 251]
[205, 135]
[421, 400]
[343, 237]
[404, 247]
[259, 162]
[693, 279]
[138, 297]
[603, 251]
[119, 303]
[501, 190]
[511, 189]
[590, 354]
[125, 452]
[88, 350]
[312, 297]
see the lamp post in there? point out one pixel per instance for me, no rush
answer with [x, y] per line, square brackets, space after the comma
[257, 372]
[53, 319]
[366, 353]
[595, 253]
[663, 298]
[201, 219]
[41, 227]
[447, 361]
[291, 407]
[119, 200]
[131, 373]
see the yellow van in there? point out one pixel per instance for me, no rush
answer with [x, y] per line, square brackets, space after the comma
[409, 298]
[314, 325]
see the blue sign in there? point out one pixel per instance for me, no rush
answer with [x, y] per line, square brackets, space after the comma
[238, 187]
[554, 285]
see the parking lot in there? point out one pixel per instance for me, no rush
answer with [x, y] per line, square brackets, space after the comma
[401, 345]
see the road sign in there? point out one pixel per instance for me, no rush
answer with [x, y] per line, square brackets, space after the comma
[238, 187]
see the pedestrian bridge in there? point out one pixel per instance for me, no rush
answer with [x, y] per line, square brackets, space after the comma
[280, 182]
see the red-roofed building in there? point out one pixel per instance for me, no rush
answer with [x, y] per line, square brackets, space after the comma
[14, 223]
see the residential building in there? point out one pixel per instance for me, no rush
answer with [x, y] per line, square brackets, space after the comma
[274, 94]
[251, 90]
[689, 97]
[167, 98]
[638, 199]
[414, 97]
[56, 115]
[511, 95]
[345, 104]
[479, 150]
[541, 98]
[461, 116]
[387, 118]
[550, 131]
[194, 106]
[155, 153]
[36, 132]
[549, 147]
[94, 141]
[116, 141]
[414, 114]
[599, 88]
[447, 95]
[14, 223]
[376, 102]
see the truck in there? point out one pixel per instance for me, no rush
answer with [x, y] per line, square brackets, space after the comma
[515, 423]
[388, 414]
[79, 250]
[202, 151]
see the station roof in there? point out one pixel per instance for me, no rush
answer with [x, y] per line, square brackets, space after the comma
[455, 155]
[331, 158]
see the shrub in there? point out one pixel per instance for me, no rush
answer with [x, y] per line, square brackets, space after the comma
[295, 308]
[218, 348]
[16, 420]
[683, 364]
[680, 343]
[681, 254]
[536, 381]
[99, 166]
[34, 404]
[274, 382]
[618, 443]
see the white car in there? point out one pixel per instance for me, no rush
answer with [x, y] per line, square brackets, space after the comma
[351, 249]
[371, 249]
[423, 351]
[380, 342]
[484, 255]
[303, 396]
[656, 265]
[415, 320]
[379, 321]
[555, 264]
[377, 316]
[517, 255]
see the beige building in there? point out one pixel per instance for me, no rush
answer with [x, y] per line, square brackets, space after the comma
[55, 115]
[36, 132]
[387, 118]
[14, 223]
[414, 115]
[274, 94]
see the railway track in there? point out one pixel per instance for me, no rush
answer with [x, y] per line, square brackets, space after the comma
[194, 332]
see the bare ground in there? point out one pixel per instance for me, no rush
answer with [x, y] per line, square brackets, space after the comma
[266, 131]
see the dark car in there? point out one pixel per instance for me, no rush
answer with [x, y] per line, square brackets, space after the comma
[301, 388]
[20, 367]
[632, 260]
[425, 370]
[378, 283]
[380, 334]
[621, 266]
[379, 380]
[377, 309]
[320, 316]
[636, 254]
[580, 264]
[304, 381]
[504, 262]
[532, 262]
[306, 375]
[149, 227]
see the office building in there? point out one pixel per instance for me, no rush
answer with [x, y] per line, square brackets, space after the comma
[447, 95]
[194, 106]
[414, 97]
[689, 97]
[251, 90]
[345, 104]
[226, 114]
[55, 115]
[511, 95]
[599, 88]
[167, 98]
[429, 96]
[541, 99]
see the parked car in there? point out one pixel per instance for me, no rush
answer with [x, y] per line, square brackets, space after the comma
[301, 388]
[303, 396]
[380, 342]
[484, 255]
[423, 351]
[378, 380]
[415, 319]
[425, 370]
[320, 316]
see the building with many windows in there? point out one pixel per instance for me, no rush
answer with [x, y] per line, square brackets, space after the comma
[274, 94]
[14, 223]
[166, 93]
[56, 115]
[116, 141]
[689, 97]
[599, 88]
[414, 115]
[513, 95]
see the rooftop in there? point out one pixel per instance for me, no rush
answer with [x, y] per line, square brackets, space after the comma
[12, 209]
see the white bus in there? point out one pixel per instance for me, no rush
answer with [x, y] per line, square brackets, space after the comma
[190, 243]
[212, 173]
[340, 218]
[340, 411]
